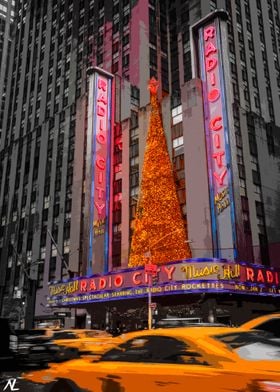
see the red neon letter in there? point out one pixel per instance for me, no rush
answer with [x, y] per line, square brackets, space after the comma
[209, 32]
[100, 111]
[210, 64]
[100, 192]
[169, 271]
[214, 126]
[92, 285]
[213, 79]
[269, 276]
[213, 95]
[99, 207]
[102, 98]
[102, 283]
[220, 178]
[218, 156]
[217, 142]
[100, 177]
[101, 124]
[102, 84]
[260, 277]
[210, 48]
[83, 285]
[250, 274]
[118, 281]
[101, 138]
[100, 162]
[135, 276]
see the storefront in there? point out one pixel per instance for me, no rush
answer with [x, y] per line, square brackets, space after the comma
[206, 289]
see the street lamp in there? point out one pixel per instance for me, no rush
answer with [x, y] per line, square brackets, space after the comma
[152, 271]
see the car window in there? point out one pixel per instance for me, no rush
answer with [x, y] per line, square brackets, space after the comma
[64, 335]
[170, 323]
[94, 334]
[155, 349]
[272, 326]
[257, 345]
[31, 332]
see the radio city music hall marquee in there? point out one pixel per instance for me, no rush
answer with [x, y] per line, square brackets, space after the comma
[187, 276]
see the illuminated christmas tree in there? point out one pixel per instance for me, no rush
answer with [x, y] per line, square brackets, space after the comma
[159, 234]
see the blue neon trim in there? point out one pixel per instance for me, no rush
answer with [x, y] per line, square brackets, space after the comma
[216, 250]
[93, 146]
[108, 179]
[227, 145]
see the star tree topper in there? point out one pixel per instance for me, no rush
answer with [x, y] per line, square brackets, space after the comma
[153, 86]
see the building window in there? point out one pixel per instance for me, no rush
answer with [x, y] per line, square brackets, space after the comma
[256, 177]
[133, 119]
[178, 142]
[270, 139]
[241, 171]
[134, 179]
[115, 67]
[253, 145]
[134, 149]
[117, 186]
[125, 60]
[153, 57]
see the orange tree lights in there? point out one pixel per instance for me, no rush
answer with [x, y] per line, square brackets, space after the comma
[159, 230]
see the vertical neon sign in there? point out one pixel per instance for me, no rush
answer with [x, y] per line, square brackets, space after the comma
[100, 173]
[216, 122]
[217, 139]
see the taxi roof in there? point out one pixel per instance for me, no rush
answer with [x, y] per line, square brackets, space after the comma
[185, 331]
[261, 319]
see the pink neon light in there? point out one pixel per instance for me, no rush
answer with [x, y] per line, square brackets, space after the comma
[101, 149]
[210, 48]
[220, 172]
[213, 123]
[213, 95]
[209, 32]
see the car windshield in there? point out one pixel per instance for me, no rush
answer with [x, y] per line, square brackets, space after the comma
[156, 349]
[64, 335]
[177, 322]
[94, 334]
[31, 332]
[253, 345]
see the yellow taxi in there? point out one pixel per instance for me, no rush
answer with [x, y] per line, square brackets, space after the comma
[85, 340]
[173, 360]
[269, 323]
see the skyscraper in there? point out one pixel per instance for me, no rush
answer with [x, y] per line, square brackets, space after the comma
[44, 188]
[6, 24]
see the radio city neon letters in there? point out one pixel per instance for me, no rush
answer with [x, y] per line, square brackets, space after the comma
[101, 147]
[219, 171]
